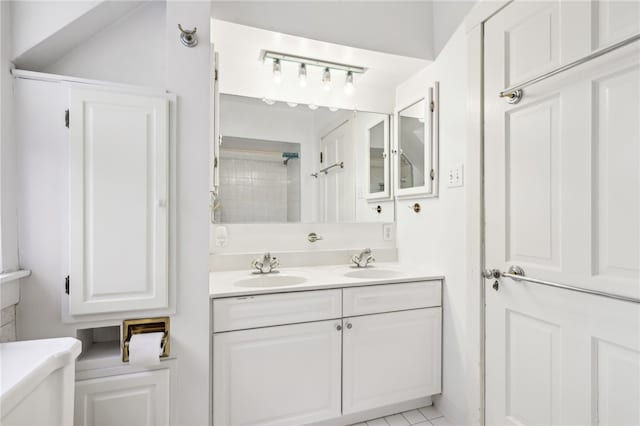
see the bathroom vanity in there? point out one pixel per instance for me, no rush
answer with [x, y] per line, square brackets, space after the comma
[330, 345]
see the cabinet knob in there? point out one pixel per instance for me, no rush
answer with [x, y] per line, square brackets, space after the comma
[349, 325]
[338, 327]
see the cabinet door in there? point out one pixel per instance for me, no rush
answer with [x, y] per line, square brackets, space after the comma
[140, 399]
[286, 375]
[118, 202]
[390, 358]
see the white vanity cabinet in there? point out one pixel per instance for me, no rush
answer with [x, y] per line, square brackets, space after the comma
[311, 356]
[283, 375]
[390, 358]
[140, 399]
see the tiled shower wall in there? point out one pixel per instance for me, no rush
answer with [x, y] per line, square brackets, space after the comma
[259, 190]
[8, 324]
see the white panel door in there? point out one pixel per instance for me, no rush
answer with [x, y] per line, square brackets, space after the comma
[284, 375]
[118, 202]
[140, 399]
[390, 358]
[562, 201]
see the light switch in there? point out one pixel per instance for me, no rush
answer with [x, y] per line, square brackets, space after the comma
[455, 176]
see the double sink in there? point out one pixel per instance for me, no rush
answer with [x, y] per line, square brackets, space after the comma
[284, 279]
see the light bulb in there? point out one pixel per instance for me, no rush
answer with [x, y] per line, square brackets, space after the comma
[277, 71]
[332, 109]
[349, 88]
[302, 75]
[326, 80]
[292, 104]
[313, 107]
[268, 101]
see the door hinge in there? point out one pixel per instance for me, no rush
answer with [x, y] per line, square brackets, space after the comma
[66, 284]
[433, 174]
[66, 118]
[215, 75]
[433, 106]
[321, 158]
[215, 162]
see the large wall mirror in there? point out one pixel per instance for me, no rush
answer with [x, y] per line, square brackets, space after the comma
[279, 162]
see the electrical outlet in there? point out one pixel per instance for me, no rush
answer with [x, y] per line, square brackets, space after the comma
[387, 232]
[455, 176]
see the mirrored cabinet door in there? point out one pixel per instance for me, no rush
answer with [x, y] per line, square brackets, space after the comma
[376, 160]
[416, 153]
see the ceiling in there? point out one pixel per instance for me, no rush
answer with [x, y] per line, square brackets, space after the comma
[396, 27]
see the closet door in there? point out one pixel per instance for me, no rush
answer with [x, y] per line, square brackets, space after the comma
[118, 196]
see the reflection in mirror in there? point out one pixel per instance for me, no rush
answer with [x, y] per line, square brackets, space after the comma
[411, 141]
[283, 162]
[259, 181]
[377, 157]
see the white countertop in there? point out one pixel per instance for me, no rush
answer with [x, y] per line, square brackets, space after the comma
[25, 364]
[222, 284]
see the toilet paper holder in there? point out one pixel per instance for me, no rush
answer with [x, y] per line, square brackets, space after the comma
[145, 325]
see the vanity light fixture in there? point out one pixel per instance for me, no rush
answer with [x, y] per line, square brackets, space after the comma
[292, 104]
[349, 88]
[304, 62]
[277, 71]
[326, 80]
[313, 107]
[302, 75]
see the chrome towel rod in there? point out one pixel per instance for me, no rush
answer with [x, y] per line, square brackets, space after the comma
[326, 169]
[514, 93]
[516, 273]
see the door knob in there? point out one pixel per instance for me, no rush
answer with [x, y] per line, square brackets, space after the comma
[339, 327]
[349, 325]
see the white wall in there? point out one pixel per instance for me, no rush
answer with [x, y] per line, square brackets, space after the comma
[437, 236]
[411, 37]
[184, 72]
[8, 226]
[447, 17]
[188, 75]
[242, 73]
[141, 59]
[37, 20]
[45, 30]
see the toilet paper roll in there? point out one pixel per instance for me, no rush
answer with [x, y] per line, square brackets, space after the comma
[145, 349]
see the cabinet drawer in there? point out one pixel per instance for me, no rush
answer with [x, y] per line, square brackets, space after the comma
[391, 297]
[239, 313]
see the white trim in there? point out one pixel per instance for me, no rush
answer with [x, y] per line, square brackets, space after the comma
[7, 277]
[474, 164]
[55, 78]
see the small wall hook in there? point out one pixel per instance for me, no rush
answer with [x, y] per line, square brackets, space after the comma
[188, 37]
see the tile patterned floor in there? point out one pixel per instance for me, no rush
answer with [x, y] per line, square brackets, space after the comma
[425, 416]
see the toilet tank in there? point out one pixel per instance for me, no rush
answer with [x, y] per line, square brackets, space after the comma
[37, 382]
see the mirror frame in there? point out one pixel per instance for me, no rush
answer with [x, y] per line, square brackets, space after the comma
[431, 151]
[386, 194]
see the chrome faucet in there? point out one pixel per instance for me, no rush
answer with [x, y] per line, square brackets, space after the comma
[265, 264]
[363, 259]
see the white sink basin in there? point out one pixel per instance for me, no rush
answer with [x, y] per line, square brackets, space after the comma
[271, 281]
[372, 273]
